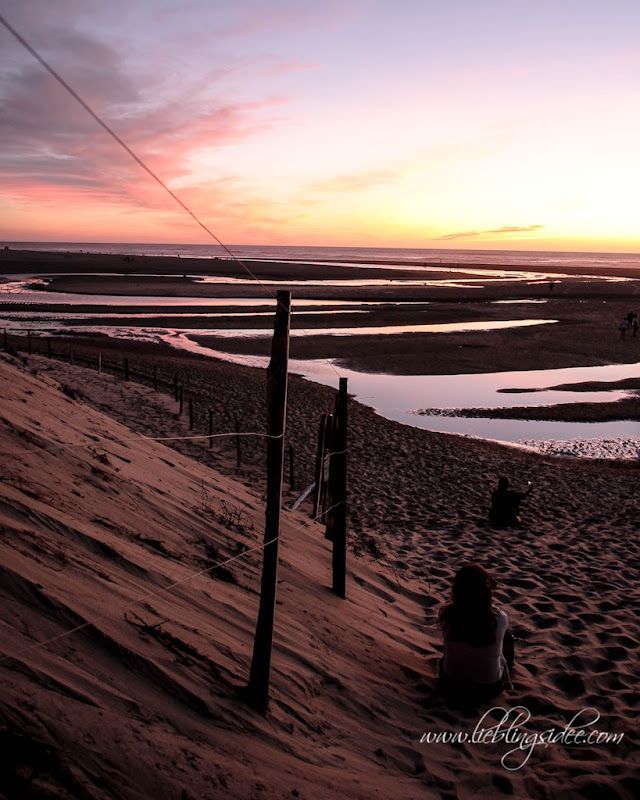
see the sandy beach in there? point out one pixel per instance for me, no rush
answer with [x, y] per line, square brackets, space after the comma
[100, 520]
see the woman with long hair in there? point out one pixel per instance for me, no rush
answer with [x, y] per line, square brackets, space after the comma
[473, 632]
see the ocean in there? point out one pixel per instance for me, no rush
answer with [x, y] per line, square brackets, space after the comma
[376, 255]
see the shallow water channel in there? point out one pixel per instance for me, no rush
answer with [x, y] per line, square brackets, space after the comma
[401, 397]
[396, 397]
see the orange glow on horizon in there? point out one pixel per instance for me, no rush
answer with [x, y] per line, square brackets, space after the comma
[296, 134]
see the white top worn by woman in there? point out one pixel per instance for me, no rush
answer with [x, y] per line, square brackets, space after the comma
[475, 664]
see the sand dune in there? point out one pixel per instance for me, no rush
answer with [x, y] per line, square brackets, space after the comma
[98, 523]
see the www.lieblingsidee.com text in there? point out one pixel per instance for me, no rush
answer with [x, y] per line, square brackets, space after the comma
[502, 725]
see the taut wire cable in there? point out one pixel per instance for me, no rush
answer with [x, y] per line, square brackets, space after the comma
[56, 75]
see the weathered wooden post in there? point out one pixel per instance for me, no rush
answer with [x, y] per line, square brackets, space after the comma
[326, 468]
[100, 361]
[210, 428]
[338, 478]
[238, 445]
[257, 692]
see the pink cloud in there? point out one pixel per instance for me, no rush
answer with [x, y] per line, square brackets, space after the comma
[50, 139]
[462, 235]
[517, 229]
[504, 229]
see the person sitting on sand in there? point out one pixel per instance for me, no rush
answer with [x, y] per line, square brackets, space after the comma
[475, 664]
[623, 327]
[505, 505]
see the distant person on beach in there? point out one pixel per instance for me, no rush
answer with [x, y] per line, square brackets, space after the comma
[477, 647]
[634, 325]
[505, 505]
[623, 327]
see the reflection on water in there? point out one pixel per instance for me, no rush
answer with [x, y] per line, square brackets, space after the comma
[395, 397]
[23, 320]
[19, 292]
[400, 397]
[515, 302]
[387, 330]
[47, 319]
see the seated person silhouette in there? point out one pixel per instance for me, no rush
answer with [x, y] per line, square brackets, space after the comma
[477, 646]
[505, 505]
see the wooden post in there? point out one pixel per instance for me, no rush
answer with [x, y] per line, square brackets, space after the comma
[326, 465]
[190, 413]
[6, 345]
[238, 445]
[258, 688]
[126, 369]
[339, 492]
[292, 484]
[100, 361]
[210, 428]
[181, 399]
[155, 378]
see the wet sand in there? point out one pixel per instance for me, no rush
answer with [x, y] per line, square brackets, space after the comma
[29, 261]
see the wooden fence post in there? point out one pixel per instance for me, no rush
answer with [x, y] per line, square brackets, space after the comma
[326, 466]
[338, 478]
[258, 688]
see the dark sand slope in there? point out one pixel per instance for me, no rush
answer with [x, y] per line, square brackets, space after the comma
[140, 702]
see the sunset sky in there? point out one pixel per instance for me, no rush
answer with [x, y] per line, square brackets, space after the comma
[399, 123]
